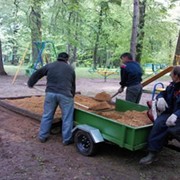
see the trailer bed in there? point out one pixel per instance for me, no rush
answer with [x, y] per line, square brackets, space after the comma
[131, 138]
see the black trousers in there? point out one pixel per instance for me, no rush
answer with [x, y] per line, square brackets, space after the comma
[174, 131]
[133, 93]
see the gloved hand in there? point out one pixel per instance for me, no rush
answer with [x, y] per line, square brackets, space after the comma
[120, 90]
[161, 104]
[171, 121]
[154, 110]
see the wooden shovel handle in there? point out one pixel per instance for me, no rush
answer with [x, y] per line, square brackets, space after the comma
[114, 95]
[82, 105]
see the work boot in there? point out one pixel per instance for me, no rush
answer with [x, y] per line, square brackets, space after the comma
[151, 157]
[43, 140]
[66, 143]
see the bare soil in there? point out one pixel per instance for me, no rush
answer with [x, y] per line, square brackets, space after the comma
[23, 157]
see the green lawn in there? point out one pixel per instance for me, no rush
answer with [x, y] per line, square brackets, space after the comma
[81, 72]
[12, 69]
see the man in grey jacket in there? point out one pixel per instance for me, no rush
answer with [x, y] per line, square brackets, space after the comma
[60, 91]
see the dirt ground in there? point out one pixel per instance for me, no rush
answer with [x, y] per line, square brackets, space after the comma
[23, 157]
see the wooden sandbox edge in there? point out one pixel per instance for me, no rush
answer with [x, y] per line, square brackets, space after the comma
[20, 110]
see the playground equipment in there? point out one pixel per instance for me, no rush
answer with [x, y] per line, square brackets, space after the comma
[21, 63]
[104, 72]
[39, 62]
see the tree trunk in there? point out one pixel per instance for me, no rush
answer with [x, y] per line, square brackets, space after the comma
[140, 35]
[72, 51]
[2, 71]
[97, 39]
[71, 48]
[14, 55]
[134, 28]
[35, 25]
[176, 60]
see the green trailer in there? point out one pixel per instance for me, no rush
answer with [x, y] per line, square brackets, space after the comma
[92, 129]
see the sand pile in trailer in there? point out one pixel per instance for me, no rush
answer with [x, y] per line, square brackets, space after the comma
[34, 104]
[103, 96]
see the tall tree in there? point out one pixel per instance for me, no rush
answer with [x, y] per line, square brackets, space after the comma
[75, 25]
[73, 21]
[176, 60]
[103, 6]
[134, 28]
[35, 26]
[101, 34]
[141, 32]
[2, 71]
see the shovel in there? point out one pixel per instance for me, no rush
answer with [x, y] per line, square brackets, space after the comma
[99, 106]
[114, 95]
[110, 101]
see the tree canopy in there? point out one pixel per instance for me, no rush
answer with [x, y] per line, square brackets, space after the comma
[94, 32]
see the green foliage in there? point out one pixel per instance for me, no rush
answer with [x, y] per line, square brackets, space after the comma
[74, 24]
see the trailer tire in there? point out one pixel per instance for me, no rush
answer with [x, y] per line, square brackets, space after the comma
[84, 143]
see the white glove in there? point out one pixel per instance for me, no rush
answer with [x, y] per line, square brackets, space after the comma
[154, 112]
[171, 121]
[161, 104]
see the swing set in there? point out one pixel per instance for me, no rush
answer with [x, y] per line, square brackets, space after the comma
[42, 58]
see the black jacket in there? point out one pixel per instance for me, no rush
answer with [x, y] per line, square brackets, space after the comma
[60, 78]
[172, 97]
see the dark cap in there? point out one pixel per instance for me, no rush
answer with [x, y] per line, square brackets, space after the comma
[63, 56]
[127, 54]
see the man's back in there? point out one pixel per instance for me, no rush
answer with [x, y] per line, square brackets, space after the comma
[131, 73]
[60, 78]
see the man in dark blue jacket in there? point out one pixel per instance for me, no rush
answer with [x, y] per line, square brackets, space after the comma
[131, 77]
[168, 122]
[60, 91]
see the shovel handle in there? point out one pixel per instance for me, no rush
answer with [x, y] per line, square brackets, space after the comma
[115, 94]
[82, 105]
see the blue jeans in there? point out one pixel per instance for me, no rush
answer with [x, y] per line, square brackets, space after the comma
[66, 104]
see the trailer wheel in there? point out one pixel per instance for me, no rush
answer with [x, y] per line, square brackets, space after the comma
[84, 143]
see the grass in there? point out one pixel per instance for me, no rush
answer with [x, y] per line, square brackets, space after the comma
[12, 69]
[87, 73]
[81, 72]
